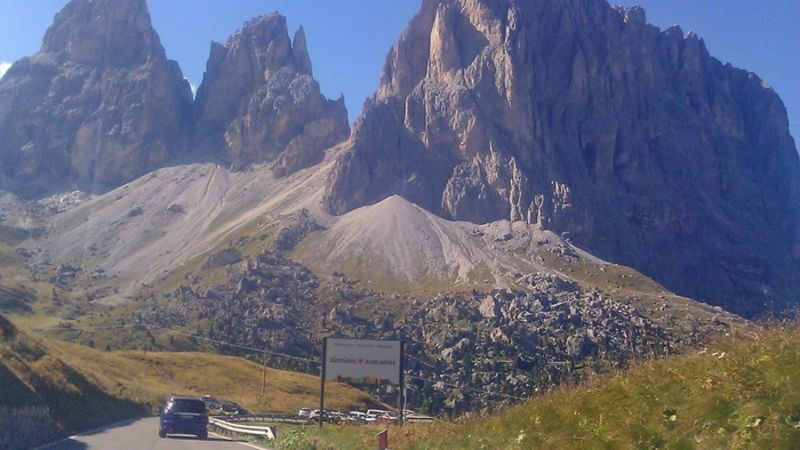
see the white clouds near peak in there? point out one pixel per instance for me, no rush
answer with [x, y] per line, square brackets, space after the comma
[4, 66]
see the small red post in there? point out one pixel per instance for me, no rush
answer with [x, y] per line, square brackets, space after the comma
[383, 440]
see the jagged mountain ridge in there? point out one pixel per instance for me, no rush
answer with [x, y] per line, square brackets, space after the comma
[583, 119]
[258, 101]
[100, 105]
[432, 83]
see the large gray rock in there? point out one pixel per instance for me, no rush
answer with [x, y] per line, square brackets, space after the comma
[259, 103]
[98, 106]
[582, 118]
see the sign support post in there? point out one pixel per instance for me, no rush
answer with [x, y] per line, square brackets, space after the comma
[402, 383]
[322, 382]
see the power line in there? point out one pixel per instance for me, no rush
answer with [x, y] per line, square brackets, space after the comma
[244, 347]
[170, 330]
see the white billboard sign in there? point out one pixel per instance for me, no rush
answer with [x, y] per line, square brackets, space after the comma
[362, 361]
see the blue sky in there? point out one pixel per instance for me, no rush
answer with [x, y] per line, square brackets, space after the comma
[349, 39]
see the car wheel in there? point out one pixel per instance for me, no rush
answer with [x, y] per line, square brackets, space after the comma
[203, 435]
[162, 434]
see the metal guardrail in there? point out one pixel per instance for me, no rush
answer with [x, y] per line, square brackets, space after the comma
[419, 419]
[276, 418]
[288, 418]
[292, 419]
[228, 427]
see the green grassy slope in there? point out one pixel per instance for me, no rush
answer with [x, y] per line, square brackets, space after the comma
[738, 395]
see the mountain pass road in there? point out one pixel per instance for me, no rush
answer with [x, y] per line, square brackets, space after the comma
[142, 434]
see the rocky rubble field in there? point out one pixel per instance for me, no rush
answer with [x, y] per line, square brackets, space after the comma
[466, 351]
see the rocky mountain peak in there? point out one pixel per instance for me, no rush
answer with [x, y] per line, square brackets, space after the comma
[259, 103]
[267, 39]
[98, 106]
[104, 32]
[584, 119]
[634, 15]
[301, 58]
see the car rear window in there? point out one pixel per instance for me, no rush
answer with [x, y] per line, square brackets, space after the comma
[187, 406]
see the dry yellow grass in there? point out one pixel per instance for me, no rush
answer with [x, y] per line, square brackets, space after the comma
[83, 388]
[148, 377]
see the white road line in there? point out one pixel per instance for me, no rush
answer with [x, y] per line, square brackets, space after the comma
[238, 442]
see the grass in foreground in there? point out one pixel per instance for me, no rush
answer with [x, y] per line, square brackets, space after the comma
[743, 395]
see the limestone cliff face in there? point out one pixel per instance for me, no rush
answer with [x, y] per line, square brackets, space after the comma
[259, 103]
[584, 119]
[98, 106]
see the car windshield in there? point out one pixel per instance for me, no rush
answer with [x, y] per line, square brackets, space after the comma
[187, 406]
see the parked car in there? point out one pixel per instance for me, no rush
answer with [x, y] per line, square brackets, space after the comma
[357, 417]
[184, 415]
[377, 412]
[327, 416]
[212, 404]
[380, 416]
[337, 417]
[232, 409]
[304, 413]
[388, 419]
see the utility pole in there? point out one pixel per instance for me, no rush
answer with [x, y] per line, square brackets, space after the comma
[264, 373]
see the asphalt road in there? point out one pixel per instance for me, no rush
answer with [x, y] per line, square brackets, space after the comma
[142, 434]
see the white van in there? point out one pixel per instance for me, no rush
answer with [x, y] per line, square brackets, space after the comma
[377, 412]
